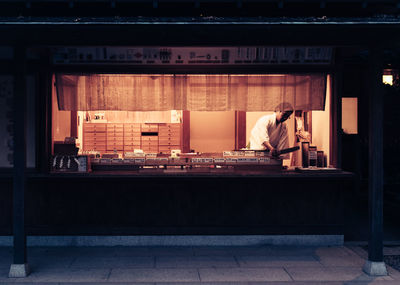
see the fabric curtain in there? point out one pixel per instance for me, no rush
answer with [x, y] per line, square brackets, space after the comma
[207, 92]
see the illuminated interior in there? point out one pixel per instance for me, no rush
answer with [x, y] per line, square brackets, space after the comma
[137, 114]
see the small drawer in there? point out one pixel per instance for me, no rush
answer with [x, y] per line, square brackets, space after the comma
[99, 148]
[95, 143]
[169, 141]
[95, 135]
[90, 128]
[87, 140]
[119, 148]
[150, 149]
[135, 145]
[167, 149]
[132, 140]
[130, 148]
[132, 133]
[132, 128]
[169, 132]
[149, 127]
[111, 132]
[89, 136]
[149, 142]
[149, 138]
[94, 147]
[115, 143]
[115, 126]
[115, 138]
[175, 127]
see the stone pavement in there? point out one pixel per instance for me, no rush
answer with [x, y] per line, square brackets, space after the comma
[195, 265]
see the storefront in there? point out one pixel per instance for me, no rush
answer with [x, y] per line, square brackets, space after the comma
[182, 137]
[175, 129]
[142, 127]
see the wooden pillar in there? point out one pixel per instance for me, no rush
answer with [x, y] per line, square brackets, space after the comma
[336, 112]
[240, 129]
[19, 268]
[44, 104]
[186, 131]
[375, 264]
[74, 124]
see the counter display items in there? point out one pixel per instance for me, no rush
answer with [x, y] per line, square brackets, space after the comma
[70, 163]
[195, 162]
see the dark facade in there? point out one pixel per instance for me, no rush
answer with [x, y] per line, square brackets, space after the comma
[363, 36]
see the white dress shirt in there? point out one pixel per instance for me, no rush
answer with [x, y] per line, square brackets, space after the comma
[266, 130]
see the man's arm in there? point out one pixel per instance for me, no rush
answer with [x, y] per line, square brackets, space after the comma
[271, 149]
[266, 142]
[267, 145]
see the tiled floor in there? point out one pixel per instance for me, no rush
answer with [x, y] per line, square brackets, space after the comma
[195, 265]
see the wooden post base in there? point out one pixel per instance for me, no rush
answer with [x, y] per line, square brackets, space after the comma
[19, 270]
[375, 268]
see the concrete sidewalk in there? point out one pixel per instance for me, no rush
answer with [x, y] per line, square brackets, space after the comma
[195, 265]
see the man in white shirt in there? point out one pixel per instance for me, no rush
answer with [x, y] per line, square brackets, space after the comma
[270, 132]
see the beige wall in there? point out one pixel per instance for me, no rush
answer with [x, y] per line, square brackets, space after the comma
[349, 115]
[61, 121]
[212, 131]
[321, 124]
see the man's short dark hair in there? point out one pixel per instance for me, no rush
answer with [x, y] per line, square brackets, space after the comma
[284, 107]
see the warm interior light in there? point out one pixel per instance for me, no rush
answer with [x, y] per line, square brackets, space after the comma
[350, 115]
[387, 79]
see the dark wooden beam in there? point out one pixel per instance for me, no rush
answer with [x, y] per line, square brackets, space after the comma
[44, 104]
[74, 124]
[375, 265]
[240, 129]
[375, 250]
[19, 156]
[190, 34]
[19, 267]
[186, 131]
[336, 111]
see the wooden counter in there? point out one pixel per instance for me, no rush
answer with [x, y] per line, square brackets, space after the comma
[128, 203]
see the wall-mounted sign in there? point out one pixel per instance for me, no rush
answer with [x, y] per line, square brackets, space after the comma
[192, 55]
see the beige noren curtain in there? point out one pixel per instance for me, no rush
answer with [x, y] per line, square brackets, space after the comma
[207, 92]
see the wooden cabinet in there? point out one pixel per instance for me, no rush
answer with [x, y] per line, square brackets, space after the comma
[115, 137]
[170, 137]
[107, 137]
[94, 137]
[132, 136]
[149, 143]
